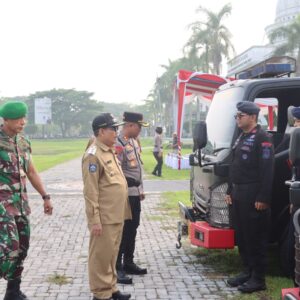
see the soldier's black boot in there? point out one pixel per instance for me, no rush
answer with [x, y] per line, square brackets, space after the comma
[252, 285]
[239, 279]
[13, 291]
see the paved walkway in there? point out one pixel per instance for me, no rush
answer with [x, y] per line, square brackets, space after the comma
[59, 247]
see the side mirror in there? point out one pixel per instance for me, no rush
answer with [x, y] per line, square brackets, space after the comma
[294, 152]
[200, 135]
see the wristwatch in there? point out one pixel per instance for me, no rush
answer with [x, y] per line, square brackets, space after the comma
[46, 197]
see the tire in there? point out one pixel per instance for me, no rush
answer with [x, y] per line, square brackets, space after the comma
[287, 250]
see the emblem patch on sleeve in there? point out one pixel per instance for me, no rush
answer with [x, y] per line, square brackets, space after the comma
[266, 153]
[92, 168]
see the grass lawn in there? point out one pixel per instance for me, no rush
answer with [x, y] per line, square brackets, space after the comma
[48, 153]
[227, 262]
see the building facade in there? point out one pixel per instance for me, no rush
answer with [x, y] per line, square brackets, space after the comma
[286, 12]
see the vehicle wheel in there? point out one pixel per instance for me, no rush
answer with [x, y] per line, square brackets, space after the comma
[287, 250]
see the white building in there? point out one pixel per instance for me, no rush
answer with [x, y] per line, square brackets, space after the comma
[286, 12]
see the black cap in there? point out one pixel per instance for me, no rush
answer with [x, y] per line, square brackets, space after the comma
[296, 112]
[105, 120]
[248, 108]
[159, 130]
[134, 118]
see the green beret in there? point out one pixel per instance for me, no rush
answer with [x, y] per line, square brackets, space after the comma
[13, 110]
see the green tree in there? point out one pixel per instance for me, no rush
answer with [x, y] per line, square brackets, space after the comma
[210, 40]
[71, 109]
[290, 41]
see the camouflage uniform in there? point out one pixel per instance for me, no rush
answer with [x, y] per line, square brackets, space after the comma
[15, 156]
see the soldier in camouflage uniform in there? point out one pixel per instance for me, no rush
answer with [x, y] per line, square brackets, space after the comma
[128, 151]
[15, 166]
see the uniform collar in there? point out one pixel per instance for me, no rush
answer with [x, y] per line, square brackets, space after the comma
[103, 146]
[4, 135]
[253, 130]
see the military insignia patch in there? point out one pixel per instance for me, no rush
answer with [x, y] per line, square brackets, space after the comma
[92, 168]
[244, 156]
[266, 153]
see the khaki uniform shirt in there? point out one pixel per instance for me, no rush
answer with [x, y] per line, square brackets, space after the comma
[105, 187]
[158, 147]
[131, 163]
[15, 155]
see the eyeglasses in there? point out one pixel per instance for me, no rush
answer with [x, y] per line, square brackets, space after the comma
[114, 128]
[239, 115]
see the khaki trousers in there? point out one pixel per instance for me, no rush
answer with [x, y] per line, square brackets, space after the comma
[103, 253]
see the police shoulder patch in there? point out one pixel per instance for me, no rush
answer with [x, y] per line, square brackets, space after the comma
[266, 150]
[92, 150]
[92, 168]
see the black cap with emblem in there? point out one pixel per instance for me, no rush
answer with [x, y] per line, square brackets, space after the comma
[105, 120]
[134, 118]
[248, 108]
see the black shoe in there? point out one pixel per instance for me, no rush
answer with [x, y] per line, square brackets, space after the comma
[252, 286]
[13, 295]
[120, 296]
[23, 295]
[13, 291]
[239, 279]
[153, 173]
[132, 268]
[123, 278]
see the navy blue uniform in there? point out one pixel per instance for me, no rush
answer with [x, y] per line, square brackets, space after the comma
[250, 181]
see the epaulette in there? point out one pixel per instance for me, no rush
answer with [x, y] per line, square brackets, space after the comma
[92, 150]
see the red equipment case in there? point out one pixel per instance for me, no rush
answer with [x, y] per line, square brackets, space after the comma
[203, 235]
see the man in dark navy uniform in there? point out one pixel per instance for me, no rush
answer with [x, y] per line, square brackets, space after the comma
[249, 191]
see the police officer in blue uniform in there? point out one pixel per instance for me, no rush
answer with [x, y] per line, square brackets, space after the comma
[248, 194]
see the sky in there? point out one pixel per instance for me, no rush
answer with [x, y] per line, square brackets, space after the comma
[112, 48]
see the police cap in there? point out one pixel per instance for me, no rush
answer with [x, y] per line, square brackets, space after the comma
[296, 112]
[105, 120]
[13, 110]
[134, 118]
[248, 108]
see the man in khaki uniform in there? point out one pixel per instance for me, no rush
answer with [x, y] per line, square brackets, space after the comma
[106, 196]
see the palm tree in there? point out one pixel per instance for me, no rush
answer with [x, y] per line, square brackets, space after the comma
[291, 44]
[211, 39]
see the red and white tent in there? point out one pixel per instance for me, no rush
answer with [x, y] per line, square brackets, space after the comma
[192, 83]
